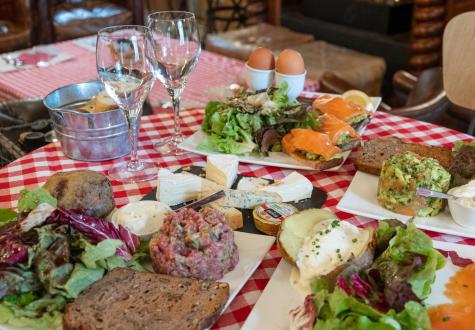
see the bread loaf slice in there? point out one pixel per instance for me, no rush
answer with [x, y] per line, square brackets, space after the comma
[127, 300]
[374, 152]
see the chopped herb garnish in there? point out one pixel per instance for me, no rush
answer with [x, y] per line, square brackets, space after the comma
[337, 250]
[354, 240]
[327, 231]
[335, 223]
[445, 318]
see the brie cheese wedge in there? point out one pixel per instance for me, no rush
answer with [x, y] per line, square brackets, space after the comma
[222, 169]
[177, 188]
[292, 188]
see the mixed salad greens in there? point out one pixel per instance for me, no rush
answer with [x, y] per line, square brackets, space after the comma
[248, 122]
[387, 295]
[49, 255]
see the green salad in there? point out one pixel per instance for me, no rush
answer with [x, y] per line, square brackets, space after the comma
[248, 122]
[388, 295]
[49, 255]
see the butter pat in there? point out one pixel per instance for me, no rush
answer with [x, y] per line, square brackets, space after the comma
[177, 188]
[222, 169]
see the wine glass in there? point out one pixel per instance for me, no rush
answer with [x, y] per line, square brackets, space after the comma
[125, 62]
[177, 47]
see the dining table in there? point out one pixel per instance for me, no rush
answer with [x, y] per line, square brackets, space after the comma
[212, 73]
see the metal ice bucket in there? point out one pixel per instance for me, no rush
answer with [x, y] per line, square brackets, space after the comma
[86, 136]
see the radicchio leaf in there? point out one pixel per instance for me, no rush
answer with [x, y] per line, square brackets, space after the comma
[456, 259]
[303, 317]
[358, 288]
[96, 229]
[12, 249]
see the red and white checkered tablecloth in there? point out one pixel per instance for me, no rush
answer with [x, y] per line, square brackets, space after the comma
[36, 167]
[212, 74]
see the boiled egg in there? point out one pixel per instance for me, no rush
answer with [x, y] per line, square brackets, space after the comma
[290, 62]
[261, 59]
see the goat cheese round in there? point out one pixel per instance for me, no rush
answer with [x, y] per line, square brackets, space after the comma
[143, 218]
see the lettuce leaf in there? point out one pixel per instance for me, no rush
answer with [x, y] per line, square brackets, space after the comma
[30, 199]
[7, 216]
[96, 229]
[460, 144]
[338, 310]
[38, 314]
[407, 245]
[81, 278]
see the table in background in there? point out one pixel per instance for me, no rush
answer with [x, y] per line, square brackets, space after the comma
[209, 79]
[36, 167]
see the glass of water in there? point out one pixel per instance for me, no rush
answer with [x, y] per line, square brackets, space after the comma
[177, 47]
[125, 63]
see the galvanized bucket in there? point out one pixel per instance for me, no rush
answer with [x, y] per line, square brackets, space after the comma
[86, 136]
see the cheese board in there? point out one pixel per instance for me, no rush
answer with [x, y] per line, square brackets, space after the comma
[316, 200]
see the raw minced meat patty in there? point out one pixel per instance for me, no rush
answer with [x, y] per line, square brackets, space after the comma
[194, 244]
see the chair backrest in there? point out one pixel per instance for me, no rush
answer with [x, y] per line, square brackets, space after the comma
[427, 86]
[222, 16]
[459, 60]
[18, 11]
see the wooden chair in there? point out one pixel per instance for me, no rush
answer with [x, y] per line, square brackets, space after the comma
[459, 67]
[257, 23]
[15, 25]
[423, 98]
[67, 19]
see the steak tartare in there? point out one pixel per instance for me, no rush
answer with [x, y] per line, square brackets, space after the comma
[194, 244]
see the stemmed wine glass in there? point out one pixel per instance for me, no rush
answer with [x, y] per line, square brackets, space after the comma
[177, 47]
[125, 63]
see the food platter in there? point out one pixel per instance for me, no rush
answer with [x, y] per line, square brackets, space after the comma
[360, 199]
[279, 297]
[315, 201]
[278, 159]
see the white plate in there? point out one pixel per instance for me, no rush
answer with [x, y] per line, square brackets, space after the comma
[279, 297]
[252, 249]
[278, 159]
[360, 199]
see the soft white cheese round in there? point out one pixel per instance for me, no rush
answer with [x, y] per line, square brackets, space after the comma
[141, 218]
[331, 244]
[467, 194]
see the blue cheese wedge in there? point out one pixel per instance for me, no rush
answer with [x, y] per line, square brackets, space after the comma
[292, 188]
[177, 188]
[239, 198]
[222, 169]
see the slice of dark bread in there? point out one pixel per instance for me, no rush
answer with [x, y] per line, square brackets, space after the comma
[127, 300]
[374, 152]
[462, 167]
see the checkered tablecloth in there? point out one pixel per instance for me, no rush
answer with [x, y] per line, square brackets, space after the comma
[36, 167]
[207, 81]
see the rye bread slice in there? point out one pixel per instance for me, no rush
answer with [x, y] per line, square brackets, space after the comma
[127, 300]
[374, 152]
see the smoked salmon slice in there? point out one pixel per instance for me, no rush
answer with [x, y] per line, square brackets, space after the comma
[301, 139]
[459, 315]
[339, 108]
[336, 129]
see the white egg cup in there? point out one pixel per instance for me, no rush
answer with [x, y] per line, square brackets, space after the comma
[295, 82]
[259, 79]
